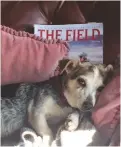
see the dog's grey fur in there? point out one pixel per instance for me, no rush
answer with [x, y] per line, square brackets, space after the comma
[42, 103]
[13, 111]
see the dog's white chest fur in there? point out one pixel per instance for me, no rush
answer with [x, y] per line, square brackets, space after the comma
[52, 111]
[55, 113]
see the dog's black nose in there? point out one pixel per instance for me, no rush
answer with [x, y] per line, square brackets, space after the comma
[87, 106]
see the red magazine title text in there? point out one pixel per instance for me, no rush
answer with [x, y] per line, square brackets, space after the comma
[75, 35]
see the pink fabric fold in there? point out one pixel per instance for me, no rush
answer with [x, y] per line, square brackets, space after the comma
[106, 115]
[28, 58]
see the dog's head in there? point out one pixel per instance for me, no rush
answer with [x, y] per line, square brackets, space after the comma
[81, 81]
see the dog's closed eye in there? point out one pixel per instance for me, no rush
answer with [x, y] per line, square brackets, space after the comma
[100, 88]
[81, 82]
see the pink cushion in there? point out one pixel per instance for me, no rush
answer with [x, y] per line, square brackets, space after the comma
[27, 58]
[106, 115]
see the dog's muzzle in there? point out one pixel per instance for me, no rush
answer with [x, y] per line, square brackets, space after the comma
[87, 106]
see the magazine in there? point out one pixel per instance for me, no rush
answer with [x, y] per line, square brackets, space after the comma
[85, 40]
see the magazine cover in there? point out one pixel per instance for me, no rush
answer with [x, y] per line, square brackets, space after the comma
[85, 40]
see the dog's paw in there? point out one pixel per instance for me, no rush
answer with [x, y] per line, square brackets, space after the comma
[72, 121]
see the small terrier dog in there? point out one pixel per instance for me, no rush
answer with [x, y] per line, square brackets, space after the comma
[51, 102]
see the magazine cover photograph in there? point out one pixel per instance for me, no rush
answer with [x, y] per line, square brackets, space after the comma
[85, 40]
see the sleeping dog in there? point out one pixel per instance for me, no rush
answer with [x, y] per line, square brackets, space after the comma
[48, 103]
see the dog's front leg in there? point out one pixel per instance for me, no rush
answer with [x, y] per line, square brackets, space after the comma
[72, 121]
[39, 123]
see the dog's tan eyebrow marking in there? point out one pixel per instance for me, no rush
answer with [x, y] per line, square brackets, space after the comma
[77, 71]
[96, 72]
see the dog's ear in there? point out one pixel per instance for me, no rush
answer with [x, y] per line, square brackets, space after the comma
[63, 63]
[109, 72]
[67, 65]
[109, 68]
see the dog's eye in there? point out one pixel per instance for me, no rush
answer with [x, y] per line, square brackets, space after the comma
[100, 88]
[81, 82]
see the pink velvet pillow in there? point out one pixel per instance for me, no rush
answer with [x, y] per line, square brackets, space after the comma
[28, 58]
[106, 115]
